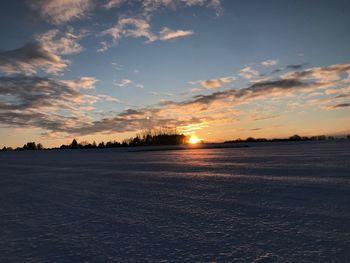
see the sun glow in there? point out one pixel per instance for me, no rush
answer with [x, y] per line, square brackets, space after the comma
[194, 139]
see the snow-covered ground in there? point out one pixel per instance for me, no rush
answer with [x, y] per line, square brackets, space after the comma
[274, 202]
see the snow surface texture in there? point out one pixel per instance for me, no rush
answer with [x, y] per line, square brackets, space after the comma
[276, 203]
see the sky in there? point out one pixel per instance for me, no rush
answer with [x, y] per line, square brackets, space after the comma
[218, 69]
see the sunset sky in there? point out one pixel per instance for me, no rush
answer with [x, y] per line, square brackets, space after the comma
[105, 69]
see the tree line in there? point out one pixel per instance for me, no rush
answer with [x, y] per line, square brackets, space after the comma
[295, 137]
[160, 136]
[155, 136]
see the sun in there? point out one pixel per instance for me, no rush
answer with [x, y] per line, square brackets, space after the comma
[194, 139]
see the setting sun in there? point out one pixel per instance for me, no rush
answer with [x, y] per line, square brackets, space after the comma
[194, 139]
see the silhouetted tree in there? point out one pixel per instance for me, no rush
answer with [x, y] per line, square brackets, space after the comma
[250, 139]
[30, 146]
[295, 137]
[74, 144]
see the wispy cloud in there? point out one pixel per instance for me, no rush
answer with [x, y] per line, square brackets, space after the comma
[213, 83]
[270, 62]
[45, 103]
[167, 33]
[150, 6]
[123, 83]
[304, 81]
[138, 28]
[108, 98]
[29, 58]
[44, 53]
[296, 66]
[62, 11]
[138, 25]
[64, 42]
[113, 3]
[117, 66]
[341, 105]
[249, 73]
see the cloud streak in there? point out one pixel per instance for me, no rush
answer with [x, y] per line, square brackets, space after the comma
[29, 58]
[44, 53]
[40, 102]
[214, 83]
[62, 11]
[269, 63]
[167, 33]
[138, 28]
[249, 73]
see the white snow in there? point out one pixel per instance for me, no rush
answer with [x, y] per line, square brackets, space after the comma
[270, 202]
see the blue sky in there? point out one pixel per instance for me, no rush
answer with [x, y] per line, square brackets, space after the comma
[219, 69]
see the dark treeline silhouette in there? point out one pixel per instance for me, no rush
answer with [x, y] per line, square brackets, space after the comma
[27, 146]
[158, 136]
[295, 137]
[162, 136]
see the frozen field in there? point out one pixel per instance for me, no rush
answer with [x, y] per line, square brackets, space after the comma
[265, 203]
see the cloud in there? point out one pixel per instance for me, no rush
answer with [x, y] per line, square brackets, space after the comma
[113, 3]
[58, 105]
[262, 118]
[269, 63]
[62, 42]
[290, 67]
[123, 83]
[341, 105]
[134, 27]
[117, 66]
[83, 82]
[328, 101]
[296, 66]
[303, 81]
[249, 73]
[157, 93]
[138, 28]
[256, 90]
[45, 103]
[213, 83]
[167, 34]
[324, 74]
[150, 6]
[139, 25]
[42, 54]
[29, 58]
[128, 27]
[198, 111]
[108, 98]
[135, 120]
[62, 11]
